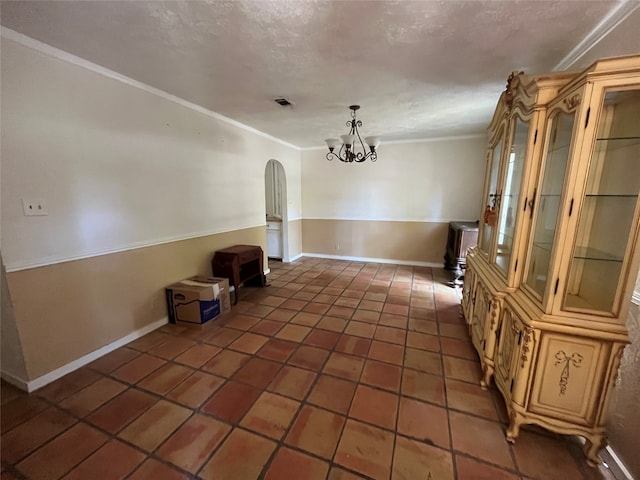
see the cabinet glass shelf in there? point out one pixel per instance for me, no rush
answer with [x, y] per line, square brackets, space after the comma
[543, 246]
[608, 207]
[610, 195]
[502, 260]
[616, 139]
[585, 253]
[588, 253]
[559, 149]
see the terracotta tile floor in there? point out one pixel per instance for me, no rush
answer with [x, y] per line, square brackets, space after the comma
[338, 370]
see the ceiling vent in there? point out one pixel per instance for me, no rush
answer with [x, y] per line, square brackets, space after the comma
[283, 102]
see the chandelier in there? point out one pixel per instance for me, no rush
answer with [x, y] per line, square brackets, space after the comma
[347, 152]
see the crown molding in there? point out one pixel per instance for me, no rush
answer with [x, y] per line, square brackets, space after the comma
[54, 52]
[615, 17]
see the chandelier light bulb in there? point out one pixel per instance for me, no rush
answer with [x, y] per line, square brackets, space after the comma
[347, 140]
[373, 142]
[332, 143]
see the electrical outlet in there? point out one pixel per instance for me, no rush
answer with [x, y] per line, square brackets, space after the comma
[34, 206]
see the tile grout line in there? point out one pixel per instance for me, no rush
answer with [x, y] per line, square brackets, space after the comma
[302, 403]
[171, 360]
[454, 468]
[255, 355]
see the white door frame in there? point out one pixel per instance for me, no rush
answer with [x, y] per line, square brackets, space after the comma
[281, 184]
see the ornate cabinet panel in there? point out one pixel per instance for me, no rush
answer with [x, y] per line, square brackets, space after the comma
[560, 380]
[559, 251]
[469, 292]
[482, 319]
[507, 352]
[481, 307]
[568, 374]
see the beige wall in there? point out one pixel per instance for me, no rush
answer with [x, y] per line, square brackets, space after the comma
[12, 358]
[396, 208]
[70, 309]
[140, 188]
[295, 237]
[427, 181]
[623, 427]
[419, 242]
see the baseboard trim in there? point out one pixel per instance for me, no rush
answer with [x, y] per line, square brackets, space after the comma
[615, 465]
[294, 258]
[414, 263]
[611, 461]
[40, 382]
[15, 381]
[635, 298]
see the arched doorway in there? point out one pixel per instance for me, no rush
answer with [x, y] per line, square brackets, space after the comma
[275, 184]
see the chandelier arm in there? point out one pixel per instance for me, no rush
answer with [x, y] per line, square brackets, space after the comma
[364, 149]
[331, 155]
[361, 158]
[341, 155]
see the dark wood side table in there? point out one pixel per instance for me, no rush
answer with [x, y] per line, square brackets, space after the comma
[239, 264]
[461, 237]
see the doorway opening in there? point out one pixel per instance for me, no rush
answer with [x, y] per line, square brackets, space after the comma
[275, 184]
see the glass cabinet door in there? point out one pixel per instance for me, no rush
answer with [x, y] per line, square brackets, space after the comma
[509, 202]
[608, 207]
[546, 212]
[492, 201]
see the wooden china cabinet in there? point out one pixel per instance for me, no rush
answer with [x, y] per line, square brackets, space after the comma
[547, 289]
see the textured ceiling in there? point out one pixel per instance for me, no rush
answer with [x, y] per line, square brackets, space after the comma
[419, 69]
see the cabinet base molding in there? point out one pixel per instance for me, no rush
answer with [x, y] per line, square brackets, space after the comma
[593, 439]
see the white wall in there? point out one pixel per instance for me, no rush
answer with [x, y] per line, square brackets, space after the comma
[119, 164]
[431, 181]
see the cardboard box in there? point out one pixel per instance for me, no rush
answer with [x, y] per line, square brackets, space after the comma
[198, 300]
[224, 291]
